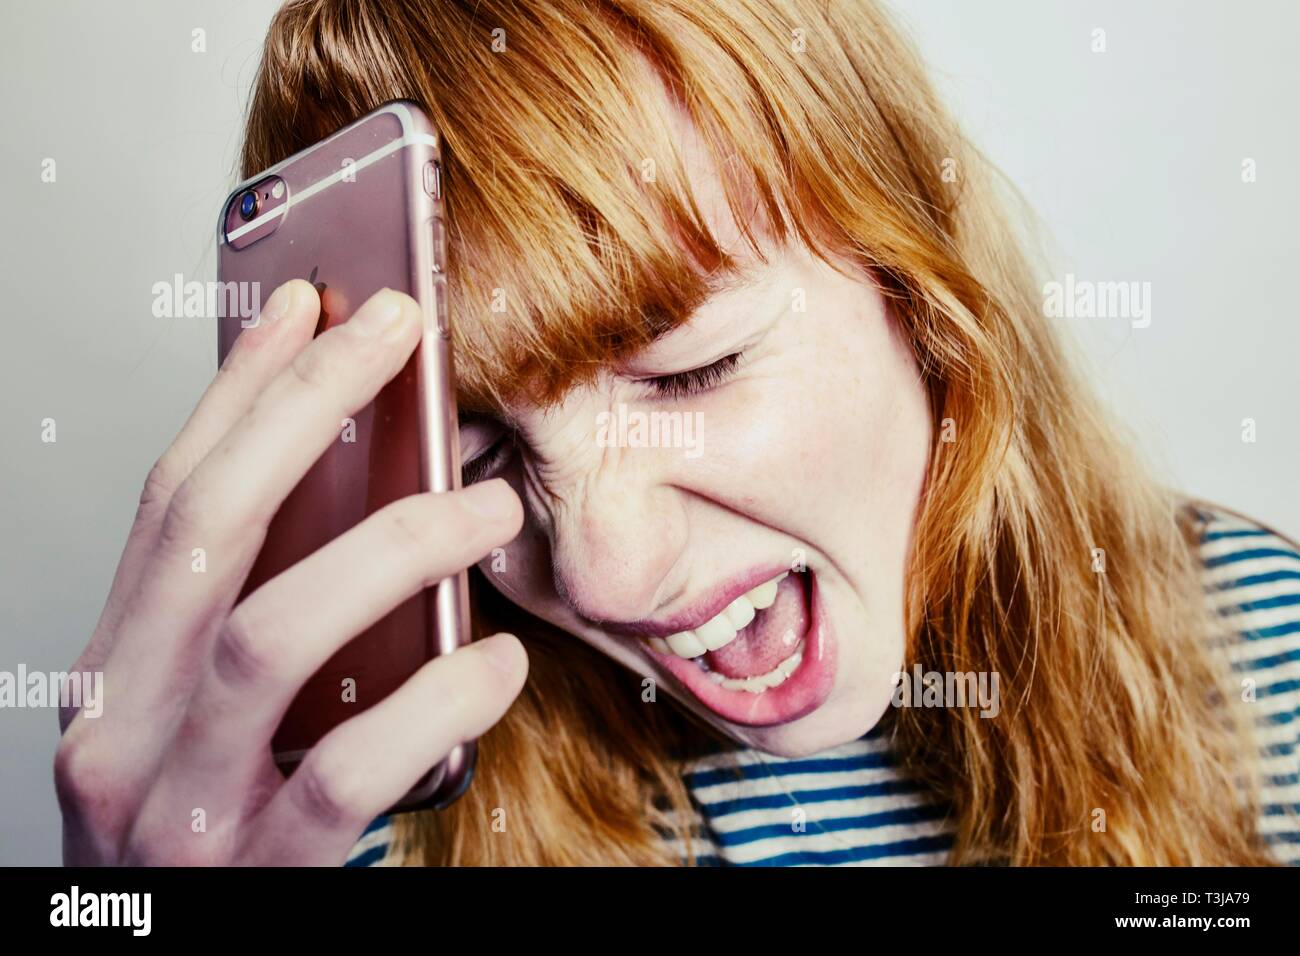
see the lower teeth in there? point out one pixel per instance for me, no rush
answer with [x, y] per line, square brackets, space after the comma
[761, 682]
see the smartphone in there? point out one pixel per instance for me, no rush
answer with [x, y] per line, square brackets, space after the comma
[358, 211]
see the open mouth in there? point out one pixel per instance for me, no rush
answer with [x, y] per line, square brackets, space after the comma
[764, 659]
[753, 644]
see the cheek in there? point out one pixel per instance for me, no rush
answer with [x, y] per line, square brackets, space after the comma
[838, 432]
[521, 570]
[891, 433]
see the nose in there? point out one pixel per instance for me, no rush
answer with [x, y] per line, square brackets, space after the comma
[618, 545]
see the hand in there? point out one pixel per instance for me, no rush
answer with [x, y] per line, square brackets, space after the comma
[194, 685]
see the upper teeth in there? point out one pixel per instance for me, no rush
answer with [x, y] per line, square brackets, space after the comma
[720, 630]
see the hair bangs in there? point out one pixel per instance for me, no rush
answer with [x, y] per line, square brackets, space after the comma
[576, 235]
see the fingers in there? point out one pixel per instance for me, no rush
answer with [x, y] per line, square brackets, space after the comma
[226, 503]
[283, 632]
[238, 487]
[100, 772]
[364, 766]
[260, 352]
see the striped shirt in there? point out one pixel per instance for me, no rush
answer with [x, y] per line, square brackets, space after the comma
[853, 805]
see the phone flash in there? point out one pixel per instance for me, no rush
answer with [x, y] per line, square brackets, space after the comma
[277, 190]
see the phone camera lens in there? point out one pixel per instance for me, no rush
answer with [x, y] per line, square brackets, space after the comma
[248, 205]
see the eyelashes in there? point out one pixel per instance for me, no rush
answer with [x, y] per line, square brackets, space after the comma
[675, 386]
[483, 465]
[696, 380]
[487, 445]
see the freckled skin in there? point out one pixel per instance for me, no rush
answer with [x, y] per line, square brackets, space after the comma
[819, 442]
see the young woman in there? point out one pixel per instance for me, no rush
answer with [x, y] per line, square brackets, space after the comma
[906, 595]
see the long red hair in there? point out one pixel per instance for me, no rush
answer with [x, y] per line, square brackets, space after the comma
[1113, 698]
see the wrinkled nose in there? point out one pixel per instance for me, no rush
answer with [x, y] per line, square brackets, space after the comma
[617, 549]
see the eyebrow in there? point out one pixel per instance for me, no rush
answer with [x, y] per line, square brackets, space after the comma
[723, 282]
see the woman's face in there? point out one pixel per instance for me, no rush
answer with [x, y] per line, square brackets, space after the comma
[662, 506]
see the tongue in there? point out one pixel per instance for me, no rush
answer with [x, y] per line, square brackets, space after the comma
[769, 639]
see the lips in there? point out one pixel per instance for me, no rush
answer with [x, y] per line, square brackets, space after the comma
[777, 669]
[725, 638]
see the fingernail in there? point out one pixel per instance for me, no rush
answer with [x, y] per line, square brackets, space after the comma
[381, 312]
[493, 500]
[501, 653]
[277, 307]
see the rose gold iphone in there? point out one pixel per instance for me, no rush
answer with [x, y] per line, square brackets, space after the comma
[358, 211]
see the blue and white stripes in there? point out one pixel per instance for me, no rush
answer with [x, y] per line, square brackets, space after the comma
[372, 848]
[846, 806]
[1253, 578]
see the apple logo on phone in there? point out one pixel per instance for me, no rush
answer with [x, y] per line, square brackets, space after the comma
[323, 322]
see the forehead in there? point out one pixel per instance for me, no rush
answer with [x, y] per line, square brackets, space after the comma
[704, 180]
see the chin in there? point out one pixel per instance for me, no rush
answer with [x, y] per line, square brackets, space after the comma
[838, 721]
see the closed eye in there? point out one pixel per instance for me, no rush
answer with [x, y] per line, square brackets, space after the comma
[696, 380]
[486, 446]
[487, 464]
